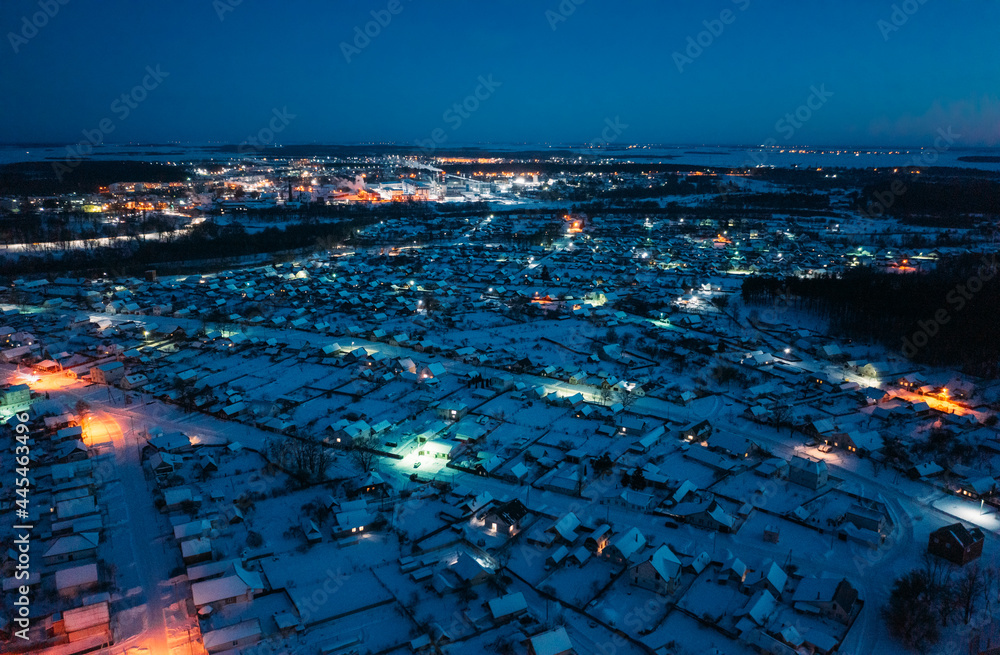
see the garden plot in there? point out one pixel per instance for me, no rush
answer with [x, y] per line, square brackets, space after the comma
[492, 640]
[711, 600]
[774, 494]
[579, 585]
[678, 467]
[318, 574]
[226, 371]
[682, 635]
[536, 414]
[312, 410]
[377, 630]
[632, 608]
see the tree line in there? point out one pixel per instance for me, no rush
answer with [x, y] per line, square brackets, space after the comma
[945, 317]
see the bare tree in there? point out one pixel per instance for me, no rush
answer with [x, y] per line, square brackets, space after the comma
[991, 579]
[627, 397]
[306, 458]
[782, 415]
[968, 589]
[606, 395]
[364, 451]
[82, 408]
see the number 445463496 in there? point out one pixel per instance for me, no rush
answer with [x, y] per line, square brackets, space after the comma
[22, 457]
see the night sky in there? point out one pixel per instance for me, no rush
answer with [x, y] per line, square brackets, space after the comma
[554, 76]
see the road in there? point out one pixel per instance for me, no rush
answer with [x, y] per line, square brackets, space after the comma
[142, 549]
[910, 503]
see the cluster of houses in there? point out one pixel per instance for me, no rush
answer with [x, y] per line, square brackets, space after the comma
[69, 572]
[552, 372]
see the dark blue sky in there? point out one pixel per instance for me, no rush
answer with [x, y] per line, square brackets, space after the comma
[607, 60]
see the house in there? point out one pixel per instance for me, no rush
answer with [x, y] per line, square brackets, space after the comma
[866, 518]
[506, 518]
[956, 543]
[452, 410]
[731, 444]
[697, 431]
[107, 373]
[72, 432]
[808, 473]
[553, 642]
[758, 609]
[163, 464]
[862, 442]
[660, 573]
[434, 370]
[171, 443]
[85, 622]
[192, 529]
[566, 527]
[72, 548]
[311, 531]
[506, 608]
[194, 551]
[469, 571]
[233, 636]
[352, 522]
[75, 581]
[370, 483]
[435, 449]
[240, 585]
[598, 540]
[626, 547]
[134, 381]
[177, 497]
[828, 597]
[707, 514]
[770, 577]
[15, 397]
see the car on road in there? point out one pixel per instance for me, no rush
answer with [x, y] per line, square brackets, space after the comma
[417, 465]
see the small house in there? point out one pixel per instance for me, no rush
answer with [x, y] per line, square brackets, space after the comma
[956, 543]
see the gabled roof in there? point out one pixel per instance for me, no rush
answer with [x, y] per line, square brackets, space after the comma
[962, 535]
[552, 642]
[511, 511]
[507, 605]
[759, 607]
[566, 526]
[815, 467]
[666, 563]
[773, 574]
[629, 543]
[73, 544]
